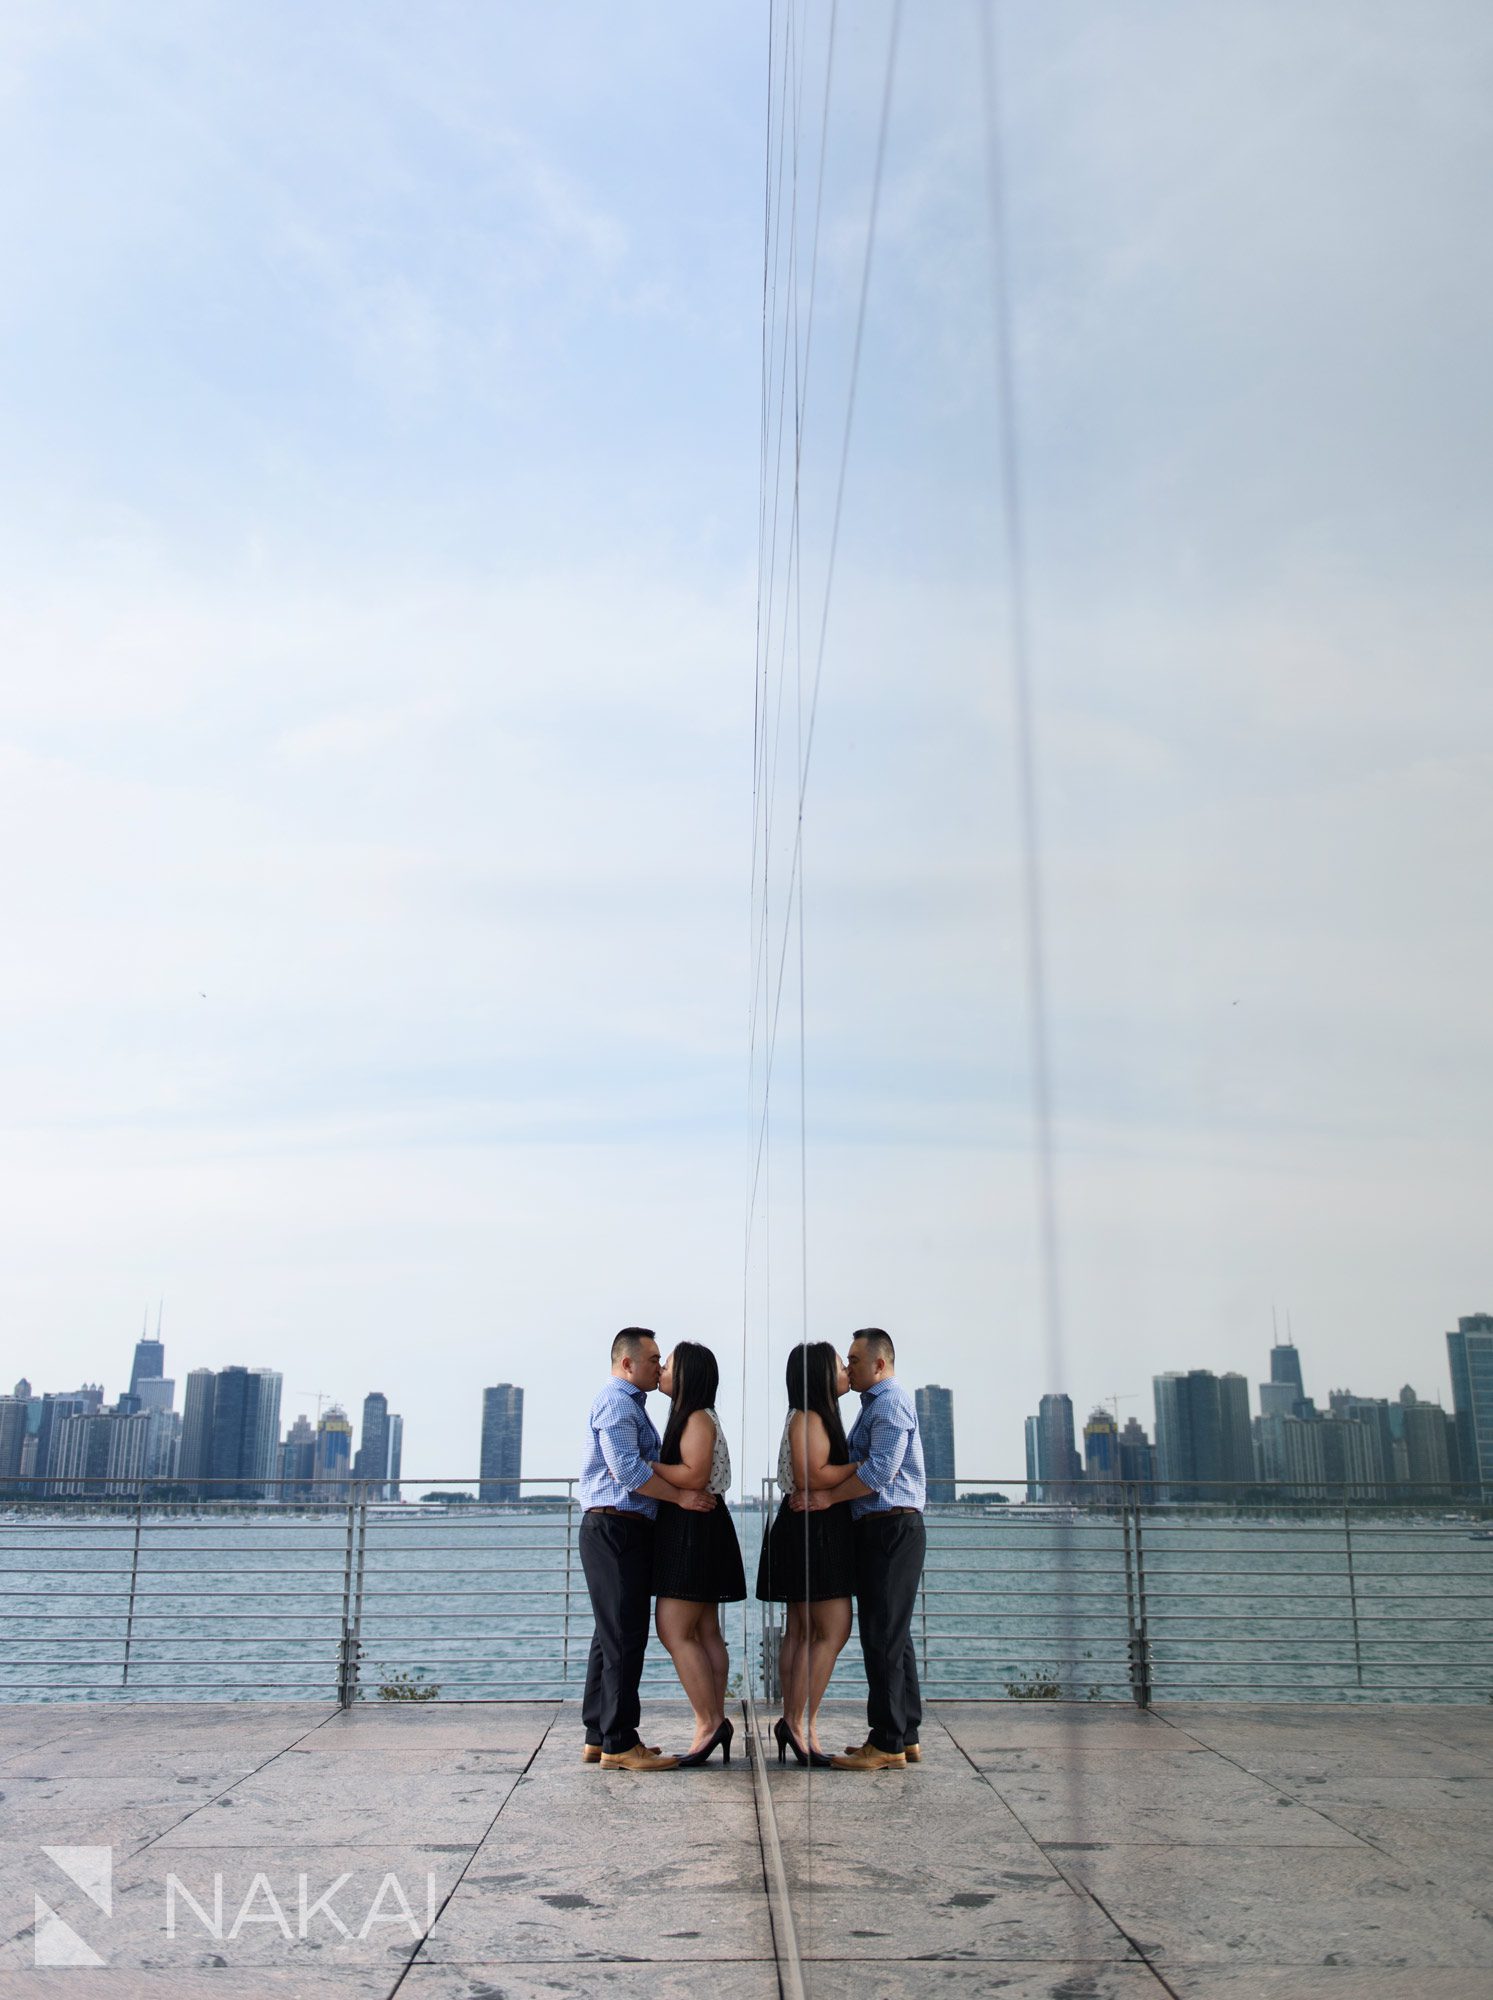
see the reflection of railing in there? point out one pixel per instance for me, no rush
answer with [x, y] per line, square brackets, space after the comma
[151, 1597]
[1252, 1599]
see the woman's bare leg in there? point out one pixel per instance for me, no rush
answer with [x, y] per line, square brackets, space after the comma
[713, 1640]
[791, 1667]
[831, 1628]
[677, 1620]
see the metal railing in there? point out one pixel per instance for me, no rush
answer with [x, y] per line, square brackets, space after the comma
[165, 1595]
[1242, 1596]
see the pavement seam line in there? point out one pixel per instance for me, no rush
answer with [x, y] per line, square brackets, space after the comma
[462, 1876]
[1079, 1888]
[774, 1875]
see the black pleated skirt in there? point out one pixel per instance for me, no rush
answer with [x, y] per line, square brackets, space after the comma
[788, 1572]
[697, 1556]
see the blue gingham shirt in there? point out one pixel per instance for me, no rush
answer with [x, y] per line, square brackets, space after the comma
[887, 1448]
[620, 1451]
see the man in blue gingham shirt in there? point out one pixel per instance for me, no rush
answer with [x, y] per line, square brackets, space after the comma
[620, 1492]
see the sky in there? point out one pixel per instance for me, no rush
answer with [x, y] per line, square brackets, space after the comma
[382, 646]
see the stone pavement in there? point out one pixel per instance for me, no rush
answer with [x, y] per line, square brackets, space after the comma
[463, 1852]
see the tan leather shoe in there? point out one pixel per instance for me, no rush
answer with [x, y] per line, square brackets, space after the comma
[869, 1758]
[639, 1758]
[591, 1753]
[913, 1752]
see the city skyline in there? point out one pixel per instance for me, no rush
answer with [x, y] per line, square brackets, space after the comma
[239, 1432]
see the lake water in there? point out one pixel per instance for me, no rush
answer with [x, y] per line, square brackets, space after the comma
[484, 1603]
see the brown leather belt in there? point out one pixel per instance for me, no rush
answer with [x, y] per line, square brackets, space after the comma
[617, 1510]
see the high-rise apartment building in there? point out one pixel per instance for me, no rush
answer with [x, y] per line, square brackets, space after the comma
[244, 1451]
[1138, 1459]
[379, 1448]
[1053, 1464]
[1101, 1455]
[194, 1460]
[936, 1424]
[1423, 1431]
[501, 1465]
[334, 1453]
[298, 1461]
[1290, 1455]
[1470, 1352]
[1204, 1445]
[13, 1414]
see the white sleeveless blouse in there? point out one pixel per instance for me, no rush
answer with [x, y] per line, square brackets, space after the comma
[720, 1460]
[785, 1457]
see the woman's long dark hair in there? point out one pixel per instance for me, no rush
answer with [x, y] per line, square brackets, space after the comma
[696, 1379]
[811, 1387]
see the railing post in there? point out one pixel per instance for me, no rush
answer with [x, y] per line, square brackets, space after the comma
[1139, 1643]
[569, 1535]
[1352, 1591]
[129, 1623]
[352, 1597]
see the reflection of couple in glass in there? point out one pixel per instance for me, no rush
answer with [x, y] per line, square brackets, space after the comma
[850, 1523]
[655, 1526]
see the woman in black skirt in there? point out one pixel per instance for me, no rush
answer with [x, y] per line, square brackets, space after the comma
[696, 1557]
[807, 1559]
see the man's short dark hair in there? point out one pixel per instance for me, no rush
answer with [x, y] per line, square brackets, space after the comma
[878, 1342]
[630, 1342]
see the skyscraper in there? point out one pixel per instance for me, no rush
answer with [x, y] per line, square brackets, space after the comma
[13, 1411]
[334, 1453]
[149, 1364]
[936, 1423]
[1138, 1459]
[396, 1456]
[1427, 1459]
[1470, 1353]
[1204, 1446]
[1101, 1454]
[1050, 1441]
[245, 1439]
[372, 1461]
[502, 1442]
[298, 1461]
[194, 1461]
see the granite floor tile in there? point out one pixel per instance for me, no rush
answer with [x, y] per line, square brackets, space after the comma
[1340, 1781]
[1295, 1906]
[1453, 1844]
[537, 1899]
[592, 1979]
[1037, 1918]
[261, 1982]
[990, 1979]
[1331, 1982]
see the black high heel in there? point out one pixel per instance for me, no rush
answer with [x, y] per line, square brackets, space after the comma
[722, 1736]
[786, 1741]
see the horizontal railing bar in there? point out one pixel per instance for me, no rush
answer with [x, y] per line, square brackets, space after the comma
[1310, 1618]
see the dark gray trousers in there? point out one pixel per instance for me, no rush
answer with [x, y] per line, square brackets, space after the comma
[617, 1557]
[889, 1550]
